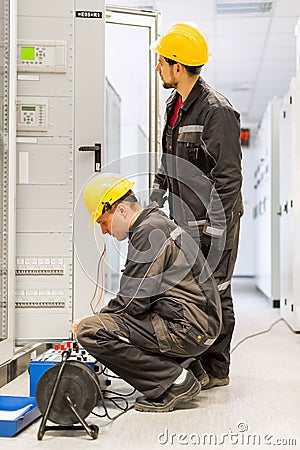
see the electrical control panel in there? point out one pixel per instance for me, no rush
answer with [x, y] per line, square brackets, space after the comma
[42, 56]
[32, 114]
[59, 107]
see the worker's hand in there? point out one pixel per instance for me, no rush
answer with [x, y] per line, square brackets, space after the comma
[74, 329]
[158, 196]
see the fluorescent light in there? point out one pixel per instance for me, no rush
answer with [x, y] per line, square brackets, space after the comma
[246, 7]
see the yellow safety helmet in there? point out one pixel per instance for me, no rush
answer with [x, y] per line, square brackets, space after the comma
[104, 190]
[185, 44]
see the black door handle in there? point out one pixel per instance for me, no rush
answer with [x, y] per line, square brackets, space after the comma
[97, 150]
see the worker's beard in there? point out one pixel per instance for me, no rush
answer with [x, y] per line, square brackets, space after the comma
[172, 84]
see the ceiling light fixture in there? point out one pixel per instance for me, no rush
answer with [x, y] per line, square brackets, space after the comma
[243, 7]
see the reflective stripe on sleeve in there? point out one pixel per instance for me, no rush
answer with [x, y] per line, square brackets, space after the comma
[214, 231]
[191, 129]
[122, 338]
[223, 286]
[209, 341]
[175, 233]
[194, 223]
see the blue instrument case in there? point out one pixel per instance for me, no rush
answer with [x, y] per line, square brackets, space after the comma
[16, 413]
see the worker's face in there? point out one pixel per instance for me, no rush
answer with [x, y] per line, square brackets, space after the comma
[167, 73]
[114, 223]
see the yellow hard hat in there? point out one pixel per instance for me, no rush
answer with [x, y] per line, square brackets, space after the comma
[104, 190]
[185, 44]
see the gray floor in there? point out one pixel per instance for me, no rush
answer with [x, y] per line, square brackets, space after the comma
[259, 409]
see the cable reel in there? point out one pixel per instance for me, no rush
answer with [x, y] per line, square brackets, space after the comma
[66, 394]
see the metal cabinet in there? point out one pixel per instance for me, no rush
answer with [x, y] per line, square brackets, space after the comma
[289, 205]
[266, 219]
[7, 175]
[60, 108]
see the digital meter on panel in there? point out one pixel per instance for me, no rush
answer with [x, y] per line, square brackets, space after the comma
[42, 56]
[32, 114]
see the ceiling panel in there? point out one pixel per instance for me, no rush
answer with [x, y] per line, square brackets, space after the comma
[194, 8]
[283, 24]
[238, 100]
[280, 40]
[273, 86]
[274, 75]
[239, 26]
[235, 66]
[244, 54]
[276, 53]
[287, 8]
[244, 41]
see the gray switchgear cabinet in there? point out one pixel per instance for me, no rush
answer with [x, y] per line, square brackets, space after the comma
[289, 212]
[60, 107]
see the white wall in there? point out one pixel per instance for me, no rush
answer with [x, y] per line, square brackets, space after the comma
[245, 265]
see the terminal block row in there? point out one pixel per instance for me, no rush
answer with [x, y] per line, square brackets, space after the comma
[40, 271]
[39, 304]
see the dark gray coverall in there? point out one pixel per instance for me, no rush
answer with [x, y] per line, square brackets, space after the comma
[167, 309]
[201, 168]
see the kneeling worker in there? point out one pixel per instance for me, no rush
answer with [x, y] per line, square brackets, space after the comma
[167, 310]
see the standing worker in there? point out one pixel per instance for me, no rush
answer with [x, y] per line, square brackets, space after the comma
[201, 169]
[167, 309]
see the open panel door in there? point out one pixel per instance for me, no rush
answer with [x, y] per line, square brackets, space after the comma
[132, 112]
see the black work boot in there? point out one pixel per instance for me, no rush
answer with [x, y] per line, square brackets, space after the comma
[198, 371]
[177, 393]
[216, 382]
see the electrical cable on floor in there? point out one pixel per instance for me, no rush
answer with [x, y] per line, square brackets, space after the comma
[256, 334]
[108, 391]
[115, 398]
[124, 410]
[114, 376]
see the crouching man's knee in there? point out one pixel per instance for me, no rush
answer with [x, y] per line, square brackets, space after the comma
[85, 332]
[98, 331]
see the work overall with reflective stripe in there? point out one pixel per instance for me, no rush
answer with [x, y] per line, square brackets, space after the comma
[201, 169]
[167, 310]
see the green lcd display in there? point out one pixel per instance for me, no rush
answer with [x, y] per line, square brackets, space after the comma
[28, 108]
[27, 53]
